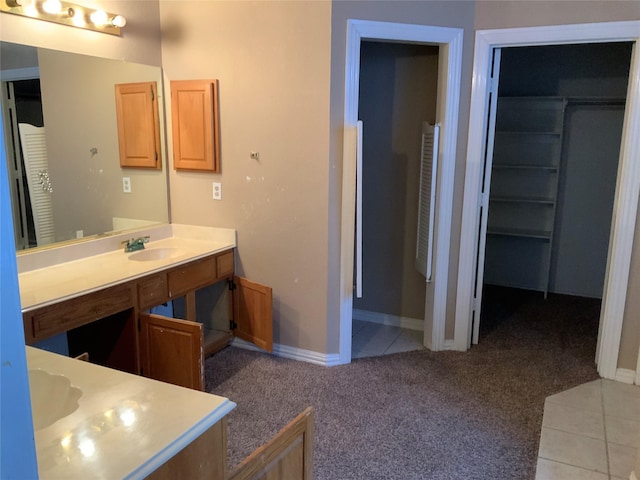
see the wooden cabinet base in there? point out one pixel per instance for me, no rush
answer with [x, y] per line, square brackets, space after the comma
[204, 458]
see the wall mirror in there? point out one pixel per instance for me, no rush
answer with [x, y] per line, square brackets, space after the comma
[61, 141]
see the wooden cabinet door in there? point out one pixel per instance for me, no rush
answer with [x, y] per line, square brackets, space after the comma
[252, 313]
[171, 350]
[288, 455]
[138, 127]
[194, 114]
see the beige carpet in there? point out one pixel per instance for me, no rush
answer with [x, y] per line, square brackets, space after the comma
[421, 415]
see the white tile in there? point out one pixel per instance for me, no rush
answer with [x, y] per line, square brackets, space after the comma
[587, 396]
[361, 354]
[623, 431]
[621, 400]
[407, 341]
[622, 388]
[375, 338]
[573, 420]
[622, 460]
[357, 325]
[550, 470]
[572, 449]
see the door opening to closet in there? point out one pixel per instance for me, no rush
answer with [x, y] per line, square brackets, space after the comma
[552, 164]
[22, 110]
[398, 94]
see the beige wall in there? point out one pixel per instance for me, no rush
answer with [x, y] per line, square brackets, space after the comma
[521, 13]
[506, 14]
[272, 61]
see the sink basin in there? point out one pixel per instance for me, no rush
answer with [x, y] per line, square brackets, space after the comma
[52, 398]
[151, 254]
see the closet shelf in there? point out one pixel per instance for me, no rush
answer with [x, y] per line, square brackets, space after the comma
[521, 166]
[527, 152]
[514, 199]
[529, 133]
[520, 232]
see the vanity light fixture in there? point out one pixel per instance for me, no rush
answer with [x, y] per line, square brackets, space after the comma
[66, 13]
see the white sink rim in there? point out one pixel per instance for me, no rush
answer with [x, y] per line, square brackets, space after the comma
[52, 397]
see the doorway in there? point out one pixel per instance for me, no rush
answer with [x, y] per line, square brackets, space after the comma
[449, 41]
[21, 104]
[398, 93]
[624, 217]
[551, 180]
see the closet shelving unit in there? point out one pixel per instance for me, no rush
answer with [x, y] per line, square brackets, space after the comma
[524, 191]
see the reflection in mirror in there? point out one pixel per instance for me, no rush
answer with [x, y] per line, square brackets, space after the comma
[61, 138]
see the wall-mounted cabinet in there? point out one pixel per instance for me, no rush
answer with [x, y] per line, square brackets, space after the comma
[138, 126]
[524, 191]
[195, 125]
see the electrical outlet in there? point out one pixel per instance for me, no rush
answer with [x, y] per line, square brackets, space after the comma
[217, 191]
[126, 184]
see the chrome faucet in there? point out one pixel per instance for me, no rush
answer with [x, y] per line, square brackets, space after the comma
[135, 244]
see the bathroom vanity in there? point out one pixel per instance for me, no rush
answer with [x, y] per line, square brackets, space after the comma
[101, 302]
[97, 422]
[120, 425]
[92, 421]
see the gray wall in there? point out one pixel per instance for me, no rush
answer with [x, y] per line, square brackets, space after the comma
[398, 86]
[459, 14]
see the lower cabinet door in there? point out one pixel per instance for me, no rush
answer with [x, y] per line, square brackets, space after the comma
[252, 313]
[171, 350]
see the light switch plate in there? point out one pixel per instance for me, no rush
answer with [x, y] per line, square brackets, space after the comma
[126, 184]
[217, 191]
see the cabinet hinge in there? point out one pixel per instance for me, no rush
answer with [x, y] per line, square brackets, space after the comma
[153, 97]
[232, 284]
[232, 325]
[156, 157]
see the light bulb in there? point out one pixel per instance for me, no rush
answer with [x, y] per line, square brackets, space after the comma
[119, 21]
[76, 15]
[29, 7]
[52, 6]
[99, 17]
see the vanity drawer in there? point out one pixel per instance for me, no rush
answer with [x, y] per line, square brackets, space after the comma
[224, 264]
[79, 311]
[153, 291]
[192, 276]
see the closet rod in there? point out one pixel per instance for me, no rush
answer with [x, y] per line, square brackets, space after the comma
[596, 101]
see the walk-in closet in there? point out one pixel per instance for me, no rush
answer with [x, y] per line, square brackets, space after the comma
[558, 126]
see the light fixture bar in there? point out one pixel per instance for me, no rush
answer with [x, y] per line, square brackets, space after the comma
[66, 13]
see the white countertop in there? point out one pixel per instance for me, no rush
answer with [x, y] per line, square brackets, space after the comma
[126, 426]
[54, 283]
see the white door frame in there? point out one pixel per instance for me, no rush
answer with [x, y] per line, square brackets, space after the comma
[627, 185]
[449, 72]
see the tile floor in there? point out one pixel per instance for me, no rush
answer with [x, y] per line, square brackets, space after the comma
[374, 339]
[590, 432]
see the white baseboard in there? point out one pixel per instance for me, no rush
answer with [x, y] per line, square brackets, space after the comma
[448, 345]
[626, 375]
[300, 354]
[387, 319]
